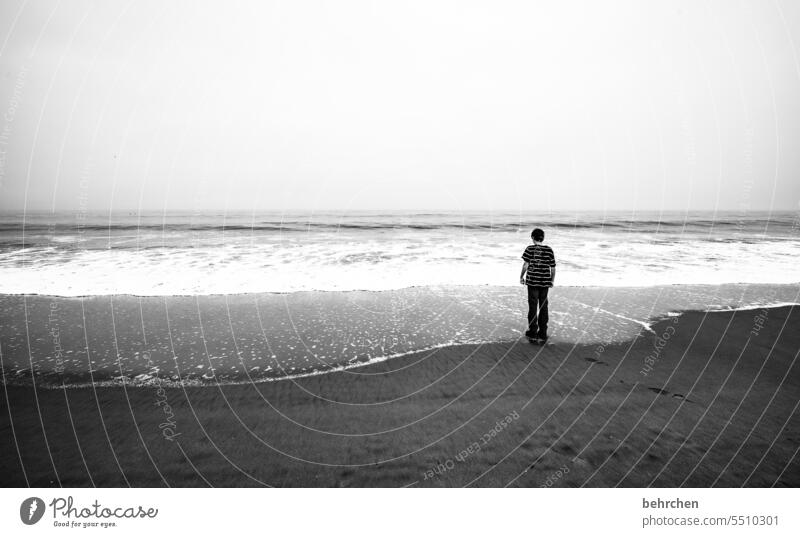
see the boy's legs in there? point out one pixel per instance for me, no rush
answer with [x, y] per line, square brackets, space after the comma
[533, 305]
[543, 316]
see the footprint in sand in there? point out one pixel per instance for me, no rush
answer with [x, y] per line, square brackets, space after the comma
[659, 391]
[565, 449]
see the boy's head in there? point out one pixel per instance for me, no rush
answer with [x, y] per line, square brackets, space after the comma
[537, 235]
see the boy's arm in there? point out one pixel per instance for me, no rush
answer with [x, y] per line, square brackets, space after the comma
[553, 275]
[522, 274]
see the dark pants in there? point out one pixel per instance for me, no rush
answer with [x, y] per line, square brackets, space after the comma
[537, 310]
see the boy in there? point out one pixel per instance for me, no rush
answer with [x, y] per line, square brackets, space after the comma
[540, 265]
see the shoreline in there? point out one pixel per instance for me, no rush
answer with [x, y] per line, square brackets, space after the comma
[716, 409]
[168, 383]
[207, 340]
[398, 289]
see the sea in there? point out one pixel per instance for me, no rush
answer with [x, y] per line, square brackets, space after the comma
[180, 253]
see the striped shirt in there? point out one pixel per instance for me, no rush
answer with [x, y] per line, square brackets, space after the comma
[539, 258]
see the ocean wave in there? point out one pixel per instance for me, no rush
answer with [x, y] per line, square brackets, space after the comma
[400, 222]
[214, 256]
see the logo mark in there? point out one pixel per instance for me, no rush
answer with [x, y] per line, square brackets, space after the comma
[31, 510]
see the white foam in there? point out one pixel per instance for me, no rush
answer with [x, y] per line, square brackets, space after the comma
[223, 264]
[749, 307]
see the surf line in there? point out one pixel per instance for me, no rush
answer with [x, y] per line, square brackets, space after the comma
[643, 324]
[750, 307]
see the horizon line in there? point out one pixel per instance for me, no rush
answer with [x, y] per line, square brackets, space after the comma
[221, 210]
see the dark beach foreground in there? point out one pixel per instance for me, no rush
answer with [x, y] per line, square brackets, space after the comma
[705, 399]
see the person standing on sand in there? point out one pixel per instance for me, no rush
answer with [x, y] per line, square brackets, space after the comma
[538, 274]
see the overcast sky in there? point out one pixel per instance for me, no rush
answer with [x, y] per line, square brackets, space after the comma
[399, 105]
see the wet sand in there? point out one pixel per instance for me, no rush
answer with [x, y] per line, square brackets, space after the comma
[115, 340]
[698, 399]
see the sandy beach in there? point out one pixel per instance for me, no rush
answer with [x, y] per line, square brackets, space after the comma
[698, 399]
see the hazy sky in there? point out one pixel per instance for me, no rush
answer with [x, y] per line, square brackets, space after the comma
[399, 105]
